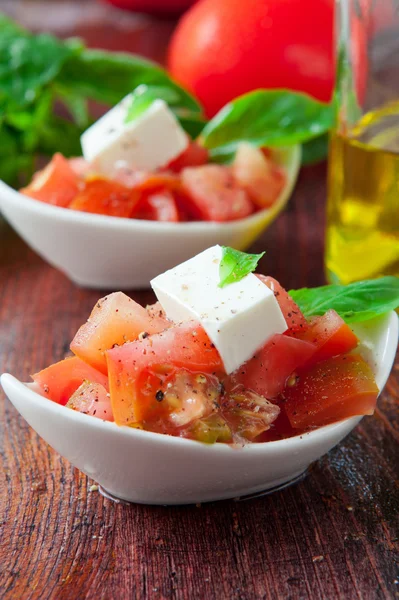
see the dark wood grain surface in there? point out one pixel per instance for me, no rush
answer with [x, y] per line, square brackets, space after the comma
[334, 535]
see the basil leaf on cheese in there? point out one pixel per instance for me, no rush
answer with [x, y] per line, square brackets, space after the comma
[235, 265]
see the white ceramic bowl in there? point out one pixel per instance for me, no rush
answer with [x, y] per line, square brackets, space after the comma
[150, 468]
[108, 252]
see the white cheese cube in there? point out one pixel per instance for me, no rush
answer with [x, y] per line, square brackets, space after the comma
[148, 142]
[238, 318]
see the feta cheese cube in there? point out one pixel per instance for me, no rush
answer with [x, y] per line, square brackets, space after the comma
[238, 318]
[148, 142]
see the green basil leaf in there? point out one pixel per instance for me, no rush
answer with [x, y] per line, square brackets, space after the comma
[39, 71]
[110, 76]
[76, 105]
[28, 63]
[235, 265]
[315, 150]
[59, 135]
[144, 96]
[266, 118]
[192, 123]
[359, 301]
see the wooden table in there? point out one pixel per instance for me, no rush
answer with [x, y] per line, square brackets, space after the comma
[334, 535]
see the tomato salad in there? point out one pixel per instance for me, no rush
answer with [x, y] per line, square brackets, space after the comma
[189, 188]
[136, 367]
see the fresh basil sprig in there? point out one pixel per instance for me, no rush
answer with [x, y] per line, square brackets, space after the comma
[40, 72]
[356, 302]
[236, 265]
[266, 118]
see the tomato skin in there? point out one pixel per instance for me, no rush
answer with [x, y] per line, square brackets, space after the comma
[213, 194]
[149, 182]
[105, 197]
[184, 346]
[266, 373]
[157, 206]
[115, 319]
[56, 184]
[156, 7]
[59, 381]
[331, 336]
[258, 175]
[80, 166]
[224, 48]
[331, 390]
[194, 156]
[92, 399]
[296, 322]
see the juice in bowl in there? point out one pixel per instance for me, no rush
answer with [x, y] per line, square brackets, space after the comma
[362, 239]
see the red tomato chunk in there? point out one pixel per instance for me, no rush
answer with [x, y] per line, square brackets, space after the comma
[114, 320]
[105, 197]
[291, 311]
[59, 381]
[267, 372]
[257, 174]
[194, 156]
[214, 195]
[330, 335]
[158, 206]
[92, 399]
[57, 184]
[329, 391]
[181, 346]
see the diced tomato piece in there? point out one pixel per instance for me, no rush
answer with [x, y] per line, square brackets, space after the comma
[194, 156]
[92, 399]
[331, 336]
[331, 390]
[214, 195]
[267, 372]
[80, 166]
[114, 320]
[156, 310]
[150, 182]
[291, 311]
[258, 175]
[247, 413]
[209, 430]
[280, 429]
[184, 346]
[157, 206]
[105, 197]
[182, 397]
[59, 381]
[57, 184]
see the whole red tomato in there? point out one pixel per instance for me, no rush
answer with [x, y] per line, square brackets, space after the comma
[167, 7]
[224, 48]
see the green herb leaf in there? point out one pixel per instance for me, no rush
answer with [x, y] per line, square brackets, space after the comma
[266, 118]
[235, 265]
[28, 63]
[355, 302]
[315, 150]
[38, 72]
[110, 76]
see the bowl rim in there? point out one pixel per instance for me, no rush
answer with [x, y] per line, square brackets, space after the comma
[80, 217]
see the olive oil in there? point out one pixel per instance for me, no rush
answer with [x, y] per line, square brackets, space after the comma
[363, 199]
